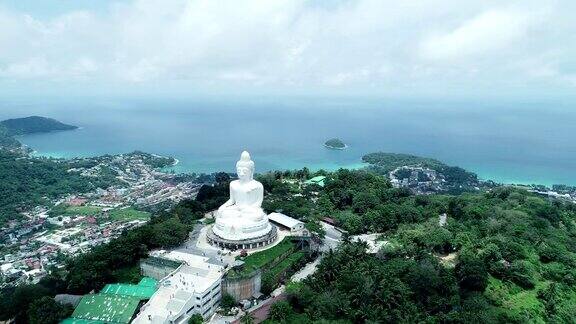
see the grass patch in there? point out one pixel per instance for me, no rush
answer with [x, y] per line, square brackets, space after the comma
[271, 278]
[129, 214]
[522, 304]
[287, 263]
[260, 259]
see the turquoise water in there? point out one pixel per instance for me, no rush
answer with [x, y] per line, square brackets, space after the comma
[507, 142]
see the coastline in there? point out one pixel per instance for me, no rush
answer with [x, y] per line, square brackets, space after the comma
[181, 166]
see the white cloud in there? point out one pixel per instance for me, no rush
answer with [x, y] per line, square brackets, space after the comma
[349, 44]
[484, 34]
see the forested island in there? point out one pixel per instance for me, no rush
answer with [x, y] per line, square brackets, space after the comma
[34, 124]
[335, 144]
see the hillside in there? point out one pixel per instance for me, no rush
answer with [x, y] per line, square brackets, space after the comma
[6, 140]
[390, 161]
[454, 179]
[27, 182]
[504, 256]
[33, 124]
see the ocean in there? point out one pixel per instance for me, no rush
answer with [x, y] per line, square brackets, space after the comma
[510, 142]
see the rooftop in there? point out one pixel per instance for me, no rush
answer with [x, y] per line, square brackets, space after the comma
[284, 220]
[106, 308]
[144, 290]
[157, 261]
[176, 290]
[80, 321]
[195, 276]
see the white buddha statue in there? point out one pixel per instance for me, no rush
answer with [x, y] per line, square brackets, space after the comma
[242, 217]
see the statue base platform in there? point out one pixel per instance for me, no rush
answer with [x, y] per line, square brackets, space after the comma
[246, 244]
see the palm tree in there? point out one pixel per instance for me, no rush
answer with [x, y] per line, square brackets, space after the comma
[247, 319]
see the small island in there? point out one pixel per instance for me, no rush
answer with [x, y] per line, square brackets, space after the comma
[335, 144]
[32, 125]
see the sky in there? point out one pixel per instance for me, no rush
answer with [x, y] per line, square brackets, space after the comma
[409, 48]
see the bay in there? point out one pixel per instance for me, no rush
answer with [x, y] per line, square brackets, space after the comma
[511, 142]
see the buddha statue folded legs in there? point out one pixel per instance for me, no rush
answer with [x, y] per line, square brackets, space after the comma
[250, 213]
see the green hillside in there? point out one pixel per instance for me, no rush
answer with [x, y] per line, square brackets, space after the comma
[34, 124]
[27, 182]
[6, 140]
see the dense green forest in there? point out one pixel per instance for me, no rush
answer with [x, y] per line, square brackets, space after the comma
[33, 124]
[505, 256]
[390, 161]
[359, 200]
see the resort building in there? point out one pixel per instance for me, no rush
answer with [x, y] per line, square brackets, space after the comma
[193, 288]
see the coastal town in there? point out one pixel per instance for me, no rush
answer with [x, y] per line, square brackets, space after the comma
[418, 179]
[48, 234]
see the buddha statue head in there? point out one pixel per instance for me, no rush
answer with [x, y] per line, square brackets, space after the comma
[245, 167]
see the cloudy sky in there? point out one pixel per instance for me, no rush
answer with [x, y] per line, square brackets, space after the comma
[368, 47]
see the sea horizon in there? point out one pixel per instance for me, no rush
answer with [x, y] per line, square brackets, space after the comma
[503, 142]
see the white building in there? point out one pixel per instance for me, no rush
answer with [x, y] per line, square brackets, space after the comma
[193, 288]
[287, 222]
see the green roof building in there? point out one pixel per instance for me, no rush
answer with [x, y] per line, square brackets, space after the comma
[116, 303]
[148, 282]
[80, 321]
[106, 308]
[143, 290]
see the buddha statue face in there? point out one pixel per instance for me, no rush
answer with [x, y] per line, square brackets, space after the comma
[245, 167]
[244, 173]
